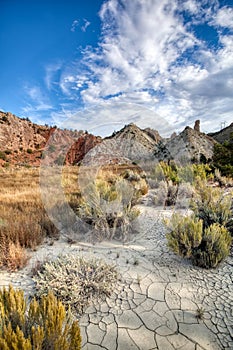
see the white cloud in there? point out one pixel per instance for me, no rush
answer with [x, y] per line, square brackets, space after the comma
[37, 102]
[85, 25]
[149, 57]
[74, 25]
[50, 72]
[224, 18]
[107, 116]
[82, 24]
[141, 40]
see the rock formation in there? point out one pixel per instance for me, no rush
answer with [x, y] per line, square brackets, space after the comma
[189, 145]
[197, 125]
[23, 142]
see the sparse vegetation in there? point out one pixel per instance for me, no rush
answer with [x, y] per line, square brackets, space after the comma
[212, 205]
[76, 281]
[42, 324]
[107, 205]
[200, 313]
[205, 246]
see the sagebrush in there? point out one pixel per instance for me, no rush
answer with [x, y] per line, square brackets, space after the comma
[76, 281]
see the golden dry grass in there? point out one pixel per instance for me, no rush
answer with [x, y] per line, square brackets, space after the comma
[23, 220]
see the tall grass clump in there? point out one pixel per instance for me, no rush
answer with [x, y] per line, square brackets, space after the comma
[39, 325]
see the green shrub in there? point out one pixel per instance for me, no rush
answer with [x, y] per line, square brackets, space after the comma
[41, 325]
[107, 207]
[206, 247]
[185, 234]
[211, 205]
[170, 172]
[29, 151]
[214, 247]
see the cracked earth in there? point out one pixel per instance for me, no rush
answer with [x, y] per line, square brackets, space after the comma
[155, 304]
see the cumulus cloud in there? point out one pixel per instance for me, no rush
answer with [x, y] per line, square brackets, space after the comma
[152, 56]
[224, 17]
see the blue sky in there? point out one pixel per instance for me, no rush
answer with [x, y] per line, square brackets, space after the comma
[98, 65]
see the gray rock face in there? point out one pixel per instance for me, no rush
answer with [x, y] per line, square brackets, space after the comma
[187, 146]
[127, 145]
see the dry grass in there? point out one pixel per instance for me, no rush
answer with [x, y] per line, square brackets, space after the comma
[23, 220]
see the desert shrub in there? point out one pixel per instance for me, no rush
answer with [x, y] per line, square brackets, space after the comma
[166, 194]
[107, 207]
[185, 234]
[42, 324]
[206, 247]
[24, 221]
[185, 194]
[211, 205]
[170, 172]
[131, 176]
[157, 172]
[214, 247]
[224, 181]
[186, 173]
[201, 171]
[29, 151]
[76, 281]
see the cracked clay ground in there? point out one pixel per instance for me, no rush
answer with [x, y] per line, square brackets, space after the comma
[154, 305]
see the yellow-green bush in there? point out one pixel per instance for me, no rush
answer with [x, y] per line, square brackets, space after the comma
[214, 247]
[107, 207]
[41, 325]
[212, 205]
[206, 247]
[185, 234]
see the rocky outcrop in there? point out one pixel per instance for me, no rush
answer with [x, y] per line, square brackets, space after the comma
[23, 142]
[189, 145]
[154, 134]
[128, 145]
[223, 135]
[197, 125]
